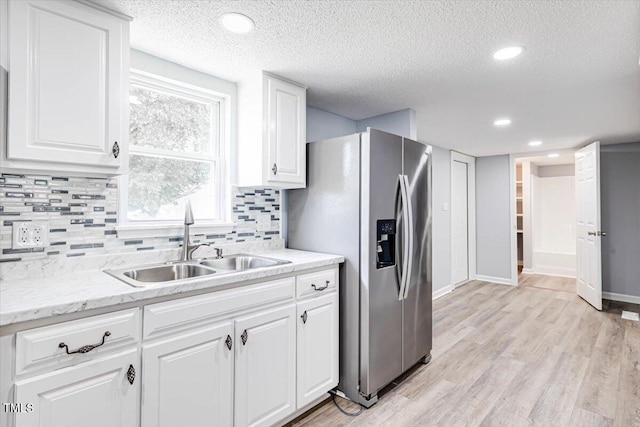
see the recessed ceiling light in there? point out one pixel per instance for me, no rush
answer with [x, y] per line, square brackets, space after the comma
[502, 122]
[553, 155]
[236, 23]
[507, 53]
[535, 143]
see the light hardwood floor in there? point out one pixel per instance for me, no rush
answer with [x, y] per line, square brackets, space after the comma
[514, 356]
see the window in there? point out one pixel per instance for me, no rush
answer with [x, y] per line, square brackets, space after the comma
[175, 152]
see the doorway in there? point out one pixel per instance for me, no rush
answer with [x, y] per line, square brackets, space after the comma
[545, 206]
[463, 258]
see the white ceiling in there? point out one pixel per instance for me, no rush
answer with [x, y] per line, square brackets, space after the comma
[577, 81]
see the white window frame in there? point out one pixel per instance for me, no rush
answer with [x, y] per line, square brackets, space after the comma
[220, 158]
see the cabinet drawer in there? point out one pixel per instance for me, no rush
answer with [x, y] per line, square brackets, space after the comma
[173, 316]
[318, 283]
[41, 348]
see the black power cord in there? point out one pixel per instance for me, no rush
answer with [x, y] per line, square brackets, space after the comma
[349, 414]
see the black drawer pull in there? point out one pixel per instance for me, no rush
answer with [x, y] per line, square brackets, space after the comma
[321, 288]
[84, 348]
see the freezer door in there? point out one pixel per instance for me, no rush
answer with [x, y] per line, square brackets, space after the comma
[380, 307]
[417, 317]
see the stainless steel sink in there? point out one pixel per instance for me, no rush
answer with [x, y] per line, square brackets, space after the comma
[168, 273]
[242, 262]
[151, 275]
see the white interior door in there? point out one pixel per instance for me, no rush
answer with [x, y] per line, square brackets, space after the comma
[459, 222]
[588, 250]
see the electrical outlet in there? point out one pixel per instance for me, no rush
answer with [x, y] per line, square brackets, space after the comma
[30, 234]
[263, 222]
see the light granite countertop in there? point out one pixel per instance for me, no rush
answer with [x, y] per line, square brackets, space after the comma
[22, 300]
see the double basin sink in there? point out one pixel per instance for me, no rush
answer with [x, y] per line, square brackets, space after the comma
[157, 274]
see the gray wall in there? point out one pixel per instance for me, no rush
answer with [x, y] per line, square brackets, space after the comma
[441, 228]
[493, 211]
[401, 123]
[620, 210]
[323, 125]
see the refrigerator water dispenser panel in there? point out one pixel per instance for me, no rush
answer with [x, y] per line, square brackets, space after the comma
[386, 243]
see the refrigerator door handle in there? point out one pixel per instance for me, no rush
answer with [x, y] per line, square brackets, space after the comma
[405, 237]
[411, 231]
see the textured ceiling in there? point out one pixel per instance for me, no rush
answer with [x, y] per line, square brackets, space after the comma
[578, 79]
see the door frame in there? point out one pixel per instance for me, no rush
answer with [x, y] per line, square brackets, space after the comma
[471, 215]
[512, 204]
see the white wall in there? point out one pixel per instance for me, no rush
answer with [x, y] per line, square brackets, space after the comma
[493, 221]
[324, 125]
[553, 222]
[401, 123]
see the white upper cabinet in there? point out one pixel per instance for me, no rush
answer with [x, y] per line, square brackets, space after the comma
[272, 132]
[68, 88]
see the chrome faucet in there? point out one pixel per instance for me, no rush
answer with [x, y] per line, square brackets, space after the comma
[187, 248]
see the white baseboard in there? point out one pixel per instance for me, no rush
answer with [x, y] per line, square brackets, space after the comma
[528, 271]
[442, 292]
[493, 279]
[621, 297]
[554, 271]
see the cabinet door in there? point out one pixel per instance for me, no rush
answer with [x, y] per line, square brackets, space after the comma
[67, 79]
[95, 393]
[265, 367]
[188, 380]
[317, 347]
[286, 133]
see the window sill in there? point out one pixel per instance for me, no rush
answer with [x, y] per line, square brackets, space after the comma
[171, 230]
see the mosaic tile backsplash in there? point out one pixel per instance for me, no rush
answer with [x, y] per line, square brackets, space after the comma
[82, 215]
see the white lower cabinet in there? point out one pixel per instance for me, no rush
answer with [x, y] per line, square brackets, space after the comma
[265, 386]
[317, 347]
[254, 355]
[188, 379]
[96, 393]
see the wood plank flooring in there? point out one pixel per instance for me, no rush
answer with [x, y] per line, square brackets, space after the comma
[532, 355]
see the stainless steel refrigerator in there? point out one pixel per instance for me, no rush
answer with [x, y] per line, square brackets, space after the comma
[368, 198]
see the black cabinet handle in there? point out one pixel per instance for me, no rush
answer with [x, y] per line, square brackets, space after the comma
[228, 342]
[84, 348]
[321, 288]
[274, 169]
[115, 150]
[304, 317]
[244, 337]
[131, 374]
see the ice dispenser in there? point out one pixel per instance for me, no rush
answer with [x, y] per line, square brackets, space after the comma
[386, 243]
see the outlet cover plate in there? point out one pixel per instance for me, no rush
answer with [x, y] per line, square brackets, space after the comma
[30, 234]
[263, 222]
